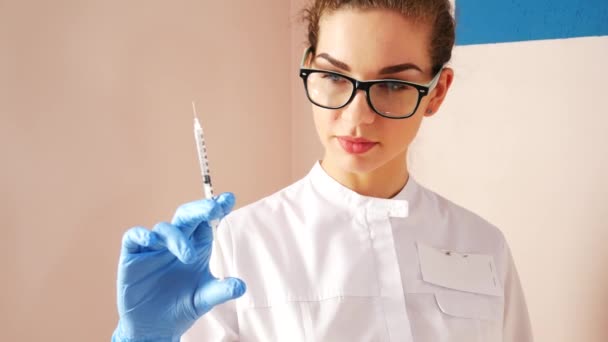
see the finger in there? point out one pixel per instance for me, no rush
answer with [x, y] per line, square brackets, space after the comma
[176, 242]
[136, 239]
[217, 292]
[190, 215]
[226, 201]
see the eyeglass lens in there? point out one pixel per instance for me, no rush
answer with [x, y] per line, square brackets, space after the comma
[388, 98]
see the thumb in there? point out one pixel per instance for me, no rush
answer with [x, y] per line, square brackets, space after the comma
[216, 292]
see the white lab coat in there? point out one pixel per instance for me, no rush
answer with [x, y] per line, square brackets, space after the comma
[323, 263]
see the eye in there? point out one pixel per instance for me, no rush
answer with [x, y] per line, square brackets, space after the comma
[333, 78]
[395, 86]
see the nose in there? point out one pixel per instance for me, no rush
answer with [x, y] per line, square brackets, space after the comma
[358, 110]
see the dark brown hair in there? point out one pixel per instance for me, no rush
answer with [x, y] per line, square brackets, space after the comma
[435, 12]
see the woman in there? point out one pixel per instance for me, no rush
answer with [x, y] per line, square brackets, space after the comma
[354, 251]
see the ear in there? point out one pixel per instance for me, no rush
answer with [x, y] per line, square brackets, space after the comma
[438, 94]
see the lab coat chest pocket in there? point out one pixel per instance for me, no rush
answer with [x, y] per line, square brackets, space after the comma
[466, 272]
[469, 305]
[458, 297]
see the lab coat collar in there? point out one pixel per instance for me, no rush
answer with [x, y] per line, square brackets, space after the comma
[346, 198]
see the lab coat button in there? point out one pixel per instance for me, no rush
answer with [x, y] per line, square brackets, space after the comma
[376, 213]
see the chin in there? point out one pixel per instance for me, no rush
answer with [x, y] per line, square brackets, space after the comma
[356, 163]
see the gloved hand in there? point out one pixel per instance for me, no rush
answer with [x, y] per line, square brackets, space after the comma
[164, 284]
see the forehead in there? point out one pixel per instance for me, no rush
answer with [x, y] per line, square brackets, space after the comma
[370, 39]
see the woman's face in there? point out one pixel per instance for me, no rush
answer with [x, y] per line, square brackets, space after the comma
[360, 43]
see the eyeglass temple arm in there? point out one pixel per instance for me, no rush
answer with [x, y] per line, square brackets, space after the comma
[306, 53]
[435, 80]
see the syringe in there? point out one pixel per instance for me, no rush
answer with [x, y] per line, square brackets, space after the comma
[203, 163]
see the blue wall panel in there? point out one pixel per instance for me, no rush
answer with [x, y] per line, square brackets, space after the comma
[496, 21]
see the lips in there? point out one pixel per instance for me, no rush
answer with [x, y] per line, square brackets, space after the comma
[356, 145]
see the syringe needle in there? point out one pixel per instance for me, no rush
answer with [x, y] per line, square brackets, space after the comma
[194, 110]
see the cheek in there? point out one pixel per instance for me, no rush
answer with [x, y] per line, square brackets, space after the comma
[398, 134]
[323, 120]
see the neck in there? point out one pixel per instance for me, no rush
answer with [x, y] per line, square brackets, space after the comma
[383, 182]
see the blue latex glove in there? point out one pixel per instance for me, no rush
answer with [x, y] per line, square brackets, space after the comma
[164, 284]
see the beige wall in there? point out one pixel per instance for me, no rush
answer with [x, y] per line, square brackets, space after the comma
[95, 137]
[305, 145]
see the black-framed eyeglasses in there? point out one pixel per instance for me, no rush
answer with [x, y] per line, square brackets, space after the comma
[390, 98]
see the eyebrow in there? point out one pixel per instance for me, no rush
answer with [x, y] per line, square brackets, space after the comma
[393, 69]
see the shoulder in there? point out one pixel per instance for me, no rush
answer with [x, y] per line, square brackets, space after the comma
[459, 221]
[270, 207]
